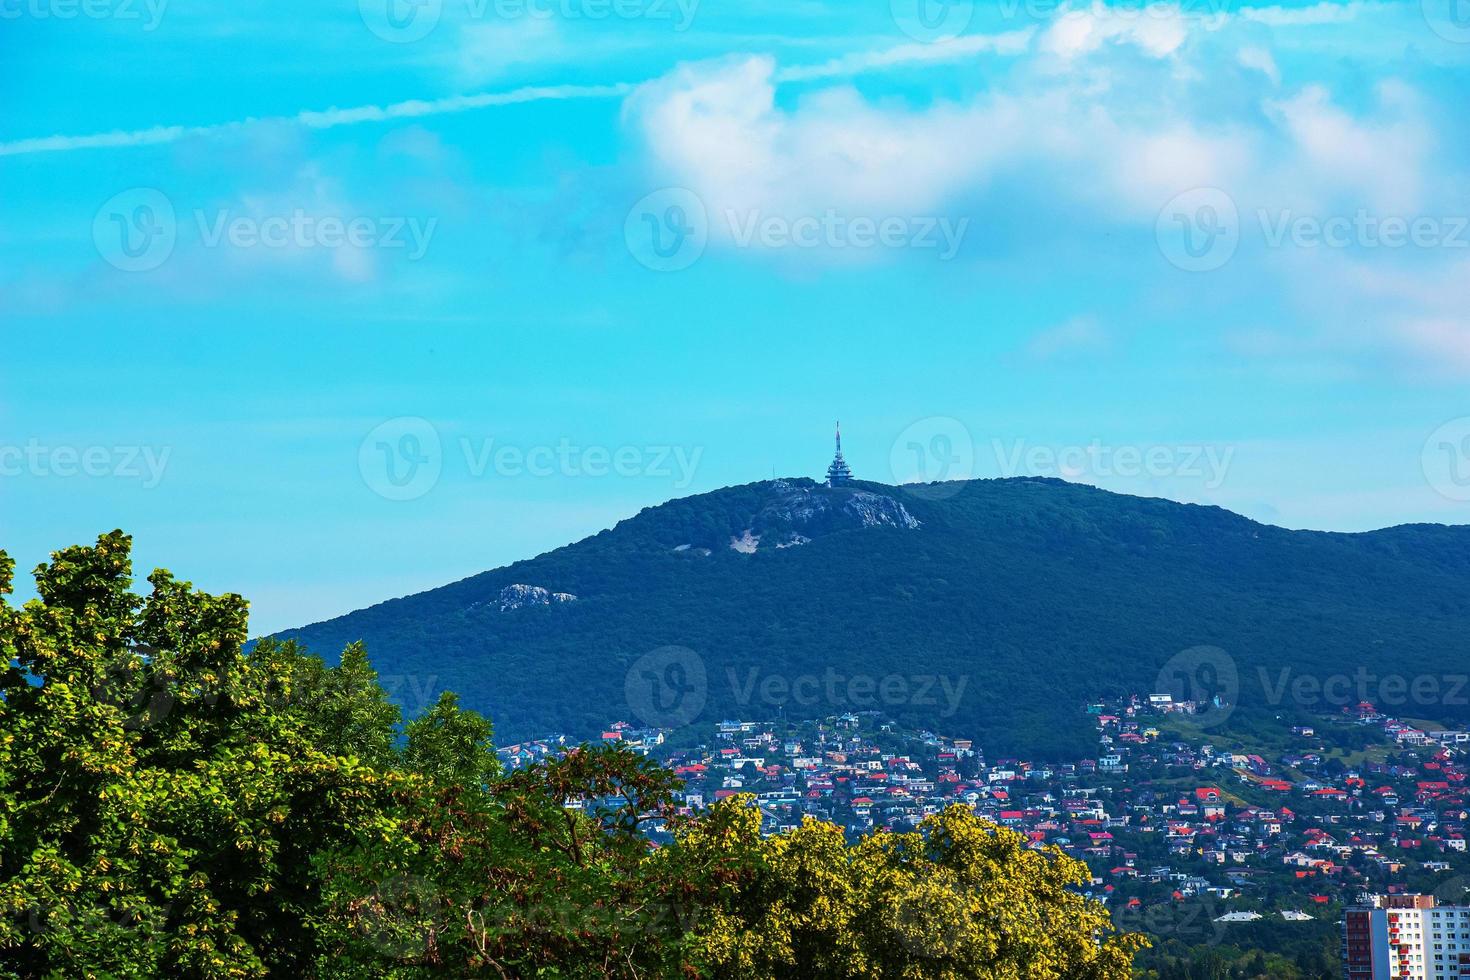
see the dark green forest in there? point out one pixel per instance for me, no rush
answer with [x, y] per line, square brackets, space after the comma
[1264, 950]
[1036, 595]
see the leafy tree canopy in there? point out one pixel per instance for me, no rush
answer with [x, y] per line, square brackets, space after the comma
[173, 806]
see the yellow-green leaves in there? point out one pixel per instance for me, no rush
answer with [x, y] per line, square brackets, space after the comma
[957, 898]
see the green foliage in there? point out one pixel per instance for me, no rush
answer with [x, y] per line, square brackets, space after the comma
[173, 806]
[1256, 951]
[343, 710]
[452, 746]
[958, 897]
[160, 818]
[354, 713]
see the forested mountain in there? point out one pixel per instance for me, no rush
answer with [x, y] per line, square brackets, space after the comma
[989, 608]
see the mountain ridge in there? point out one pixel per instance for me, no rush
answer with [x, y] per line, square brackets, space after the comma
[1039, 594]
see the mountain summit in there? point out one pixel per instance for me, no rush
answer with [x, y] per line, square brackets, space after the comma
[991, 608]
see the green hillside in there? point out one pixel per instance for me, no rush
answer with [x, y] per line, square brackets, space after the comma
[1009, 605]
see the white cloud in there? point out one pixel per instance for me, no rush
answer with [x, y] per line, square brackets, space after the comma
[717, 128]
[490, 49]
[1261, 60]
[1443, 340]
[1326, 12]
[310, 198]
[1079, 335]
[1378, 160]
[1099, 135]
[1110, 140]
[1159, 30]
[1365, 312]
[1426, 309]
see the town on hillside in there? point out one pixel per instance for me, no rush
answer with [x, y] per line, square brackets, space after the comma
[1361, 803]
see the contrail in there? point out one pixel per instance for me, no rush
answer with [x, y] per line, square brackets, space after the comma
[1005, 45]
[325, 119]
[1010, 44]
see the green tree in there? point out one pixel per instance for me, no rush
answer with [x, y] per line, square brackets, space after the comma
[161, 818]
[452, 746]
[959, 897]
[344, 709]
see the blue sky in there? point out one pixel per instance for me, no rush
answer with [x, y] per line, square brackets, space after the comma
[329, 303]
